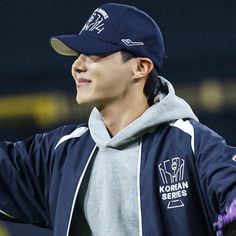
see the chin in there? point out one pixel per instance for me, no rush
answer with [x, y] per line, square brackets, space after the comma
[79, 100]
[88, 100]
[82, 101]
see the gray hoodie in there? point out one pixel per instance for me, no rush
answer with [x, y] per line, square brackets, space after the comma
[111, 198]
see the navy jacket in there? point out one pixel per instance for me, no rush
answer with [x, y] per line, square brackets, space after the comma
[187, 176]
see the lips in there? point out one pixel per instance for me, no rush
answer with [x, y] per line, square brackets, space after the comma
[83, 82]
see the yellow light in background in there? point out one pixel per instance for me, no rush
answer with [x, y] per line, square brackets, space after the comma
[4, 231]
[211, 95]
[45, 109]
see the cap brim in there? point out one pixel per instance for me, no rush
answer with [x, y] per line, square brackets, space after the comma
[73, 45]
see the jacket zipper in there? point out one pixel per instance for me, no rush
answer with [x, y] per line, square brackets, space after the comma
[77, 190]
[138, 187]
[139, 192]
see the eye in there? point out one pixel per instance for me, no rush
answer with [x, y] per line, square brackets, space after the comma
[95, 57]
[99, 57]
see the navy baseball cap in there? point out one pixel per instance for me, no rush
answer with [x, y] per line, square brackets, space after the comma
[113, 27]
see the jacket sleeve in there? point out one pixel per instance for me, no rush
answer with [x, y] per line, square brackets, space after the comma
[25, 173]
[216, 167]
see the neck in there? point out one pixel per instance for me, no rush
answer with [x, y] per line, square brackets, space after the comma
[116, 117]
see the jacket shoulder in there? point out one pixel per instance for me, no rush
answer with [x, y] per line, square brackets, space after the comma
[67, 132]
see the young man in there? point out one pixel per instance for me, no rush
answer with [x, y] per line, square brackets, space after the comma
[143, 165]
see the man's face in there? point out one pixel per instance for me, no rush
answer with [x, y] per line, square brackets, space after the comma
[101, 80]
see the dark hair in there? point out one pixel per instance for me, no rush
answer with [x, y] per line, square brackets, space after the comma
[153, 82]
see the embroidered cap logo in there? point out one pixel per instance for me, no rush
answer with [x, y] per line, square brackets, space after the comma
[96, 21]
[130, 43]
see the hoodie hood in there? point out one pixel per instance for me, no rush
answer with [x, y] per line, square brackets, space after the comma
[167, 108]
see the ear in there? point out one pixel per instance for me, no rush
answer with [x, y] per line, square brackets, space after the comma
[142, 68]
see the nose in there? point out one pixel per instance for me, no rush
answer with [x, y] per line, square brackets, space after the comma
[79, 64]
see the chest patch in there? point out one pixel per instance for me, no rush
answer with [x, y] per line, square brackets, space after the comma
[174, 188]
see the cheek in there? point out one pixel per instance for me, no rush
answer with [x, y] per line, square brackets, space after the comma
[112, 75]
[109, 80]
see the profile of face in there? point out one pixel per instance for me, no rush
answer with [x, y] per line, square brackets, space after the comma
[101, 79]
[105, 79]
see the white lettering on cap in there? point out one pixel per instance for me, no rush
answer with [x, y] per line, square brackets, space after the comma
[96, 21]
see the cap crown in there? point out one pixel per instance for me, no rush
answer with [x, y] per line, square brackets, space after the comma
[128, 27]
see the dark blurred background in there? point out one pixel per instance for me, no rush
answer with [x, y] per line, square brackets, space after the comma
[37, 92]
